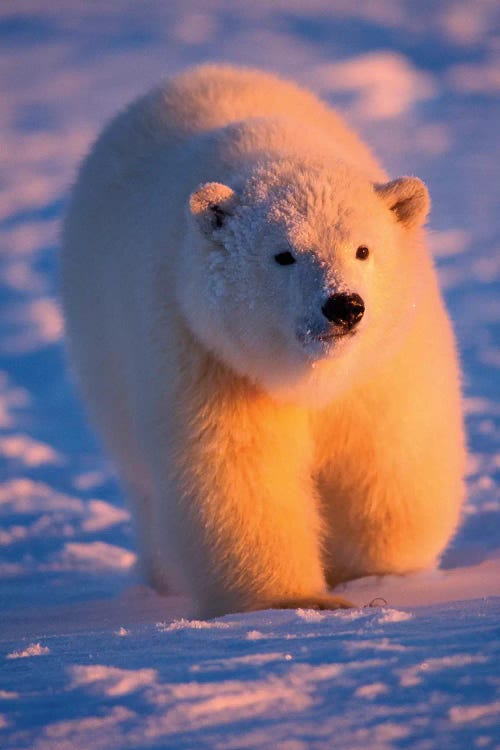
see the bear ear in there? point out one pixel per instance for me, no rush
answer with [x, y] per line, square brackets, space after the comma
[210, 205]
[408, 198]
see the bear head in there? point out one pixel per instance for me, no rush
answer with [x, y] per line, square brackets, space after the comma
[301, 276]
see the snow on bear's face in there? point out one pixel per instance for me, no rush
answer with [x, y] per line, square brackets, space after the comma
[298, 279]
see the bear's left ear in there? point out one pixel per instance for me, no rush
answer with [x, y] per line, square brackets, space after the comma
[408, 198]
[210, 205]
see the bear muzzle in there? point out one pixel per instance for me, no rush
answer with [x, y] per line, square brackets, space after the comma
[343, 311]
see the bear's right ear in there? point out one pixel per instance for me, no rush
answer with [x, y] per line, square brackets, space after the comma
[210, 205]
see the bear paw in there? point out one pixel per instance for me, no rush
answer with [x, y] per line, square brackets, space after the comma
[321, 601]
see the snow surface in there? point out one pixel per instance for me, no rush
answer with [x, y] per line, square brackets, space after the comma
[88, 656]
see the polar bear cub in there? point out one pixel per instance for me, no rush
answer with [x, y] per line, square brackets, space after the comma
[255, 322]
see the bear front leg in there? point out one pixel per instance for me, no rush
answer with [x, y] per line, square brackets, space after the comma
[237, 507]
[391, 458]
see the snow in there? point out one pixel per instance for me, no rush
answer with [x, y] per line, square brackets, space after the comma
[96, 555]
[34, 649]
[28, 451]
[385, 83]
[89, 657]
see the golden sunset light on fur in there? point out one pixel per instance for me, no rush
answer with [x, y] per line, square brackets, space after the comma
[264, 316]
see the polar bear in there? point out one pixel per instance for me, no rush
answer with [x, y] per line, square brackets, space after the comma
[255, 322]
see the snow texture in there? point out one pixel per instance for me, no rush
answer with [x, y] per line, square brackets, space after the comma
[88, 656]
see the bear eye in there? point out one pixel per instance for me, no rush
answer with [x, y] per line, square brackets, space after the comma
[285, 259]
[362, 253]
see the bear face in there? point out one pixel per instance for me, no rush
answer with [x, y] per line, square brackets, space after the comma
[300, 275]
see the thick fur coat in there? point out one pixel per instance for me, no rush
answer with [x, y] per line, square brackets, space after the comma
[255, 322]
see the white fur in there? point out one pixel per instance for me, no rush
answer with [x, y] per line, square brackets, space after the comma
[261, 463]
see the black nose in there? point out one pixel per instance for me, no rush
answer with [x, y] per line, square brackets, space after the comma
[344, 309]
